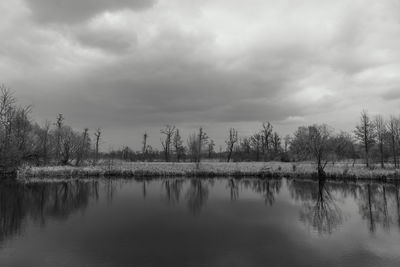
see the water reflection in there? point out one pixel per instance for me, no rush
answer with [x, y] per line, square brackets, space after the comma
[319, 208]
[320, 205]
[397, 194]
[197, 194]
[41, 201]
[233, 185]
[378, 204]
[173, 188]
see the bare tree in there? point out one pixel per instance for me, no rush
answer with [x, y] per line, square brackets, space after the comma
[266, 134]
[211, 146]
[287, 141]
[313, 142]
[365, 133]
[144, 148]
[82, 150]
[343, 146]
[44, 140]
[193, 146]
[256, 143]
[8, 151]
[195, 142]
[245, 146]
[393, 130]
[231, 141]
[380, 129]
[168, 133]
[68, 144]
[59, 125]
[22, 127]
[97, 136]
[276, 143]
[14, 132]
[202, 140]
[178, 145]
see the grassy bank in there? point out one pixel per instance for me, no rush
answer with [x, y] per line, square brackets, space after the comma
[339, 171]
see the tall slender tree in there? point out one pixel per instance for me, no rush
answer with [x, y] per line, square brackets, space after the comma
[365, 133]
[393, 132]
[256, 143]
[178, 145]
[380, 129]
[97, 136]
[276, 143]
[59, 125]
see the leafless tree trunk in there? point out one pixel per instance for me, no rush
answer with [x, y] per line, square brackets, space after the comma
[59, 125]
[231, 141]
[276, 143]
[82, 147]
[168, 132]
[45, 142]
[177, 142]
[202, 140]
[313, 142]
[256, 143]
[97, 135]
[211, 146]
[287, 140]
[365, 132]
[192, 146]
[67, 148]
[144, 148]
[266, 134]
[380, 134]
[393, 129]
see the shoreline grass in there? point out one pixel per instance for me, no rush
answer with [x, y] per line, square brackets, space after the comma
[339, 171]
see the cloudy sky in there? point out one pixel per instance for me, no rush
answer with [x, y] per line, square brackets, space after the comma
[131, 66]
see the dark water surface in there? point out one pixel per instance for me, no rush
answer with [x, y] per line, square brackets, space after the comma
[216, 222]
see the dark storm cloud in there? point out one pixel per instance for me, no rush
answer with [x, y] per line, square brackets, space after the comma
[73, 11]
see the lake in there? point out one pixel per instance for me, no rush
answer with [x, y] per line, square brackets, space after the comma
[199, 222]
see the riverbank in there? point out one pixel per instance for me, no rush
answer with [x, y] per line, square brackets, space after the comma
[339, 171]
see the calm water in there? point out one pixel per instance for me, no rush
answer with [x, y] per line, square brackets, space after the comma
[216, 222]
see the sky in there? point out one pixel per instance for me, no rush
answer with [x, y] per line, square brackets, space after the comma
[130, 66]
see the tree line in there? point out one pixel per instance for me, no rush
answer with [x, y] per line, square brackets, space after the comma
[23, 141]
[373, 140]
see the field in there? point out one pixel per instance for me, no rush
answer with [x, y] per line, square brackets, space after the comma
[342, 171]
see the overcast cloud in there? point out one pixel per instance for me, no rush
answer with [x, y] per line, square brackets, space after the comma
[130, 66]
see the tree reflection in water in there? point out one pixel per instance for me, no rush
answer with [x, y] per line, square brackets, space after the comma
[233, 186]
[41, 201]
[109, 189]
[173, 188]
[144, 191]
[319, 209]
[374, 205]
[397, 195]
[197, 195]
[268, 188]
[378, 204]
